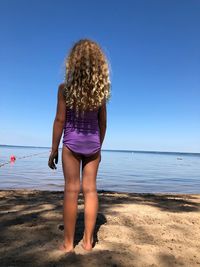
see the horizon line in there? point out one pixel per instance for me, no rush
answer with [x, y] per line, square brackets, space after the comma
[114, 150]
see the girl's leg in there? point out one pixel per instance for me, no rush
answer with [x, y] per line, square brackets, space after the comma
[71, 171]
[89, 173]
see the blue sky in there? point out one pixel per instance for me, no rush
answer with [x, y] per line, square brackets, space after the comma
[153, 50]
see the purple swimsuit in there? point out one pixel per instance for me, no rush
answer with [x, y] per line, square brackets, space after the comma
[81, 134]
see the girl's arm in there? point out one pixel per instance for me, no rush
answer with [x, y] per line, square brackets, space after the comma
[102, 117]
[58, 126]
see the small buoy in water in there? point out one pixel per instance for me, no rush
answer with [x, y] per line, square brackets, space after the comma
[179, 158]
[12, 158]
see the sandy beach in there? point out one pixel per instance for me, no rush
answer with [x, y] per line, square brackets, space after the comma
[132, 229]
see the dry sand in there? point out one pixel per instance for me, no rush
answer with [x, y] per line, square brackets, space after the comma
[131, 230]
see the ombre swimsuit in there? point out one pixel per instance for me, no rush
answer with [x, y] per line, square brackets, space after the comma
[81, 134]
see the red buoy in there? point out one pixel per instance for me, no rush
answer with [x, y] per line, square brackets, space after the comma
[12, 158]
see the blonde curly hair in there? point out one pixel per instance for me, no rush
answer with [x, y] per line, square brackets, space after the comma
[87, 82]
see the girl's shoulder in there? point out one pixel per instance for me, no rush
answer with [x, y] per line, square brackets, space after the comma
[62, 85]
[61, 89]
[103, 104]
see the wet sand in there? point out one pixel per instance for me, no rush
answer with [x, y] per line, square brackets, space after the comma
[131, 230]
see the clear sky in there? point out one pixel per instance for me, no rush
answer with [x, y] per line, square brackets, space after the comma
[154, 52]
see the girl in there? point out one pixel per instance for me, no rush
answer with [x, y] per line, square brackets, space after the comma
[81, 115]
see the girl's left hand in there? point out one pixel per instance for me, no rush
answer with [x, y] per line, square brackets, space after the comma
[53, 157]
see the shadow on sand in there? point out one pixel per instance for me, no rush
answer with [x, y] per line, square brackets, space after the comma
[25, 228]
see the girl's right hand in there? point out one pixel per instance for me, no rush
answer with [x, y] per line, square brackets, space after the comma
[53, 157]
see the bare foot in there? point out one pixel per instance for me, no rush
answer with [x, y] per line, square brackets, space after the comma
[65, 248]
[86, 246]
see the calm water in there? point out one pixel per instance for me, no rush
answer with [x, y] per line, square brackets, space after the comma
[118, 170]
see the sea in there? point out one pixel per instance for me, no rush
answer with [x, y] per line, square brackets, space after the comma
[119, 170]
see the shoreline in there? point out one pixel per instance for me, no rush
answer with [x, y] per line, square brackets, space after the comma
[132, 229]
[100, 191]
